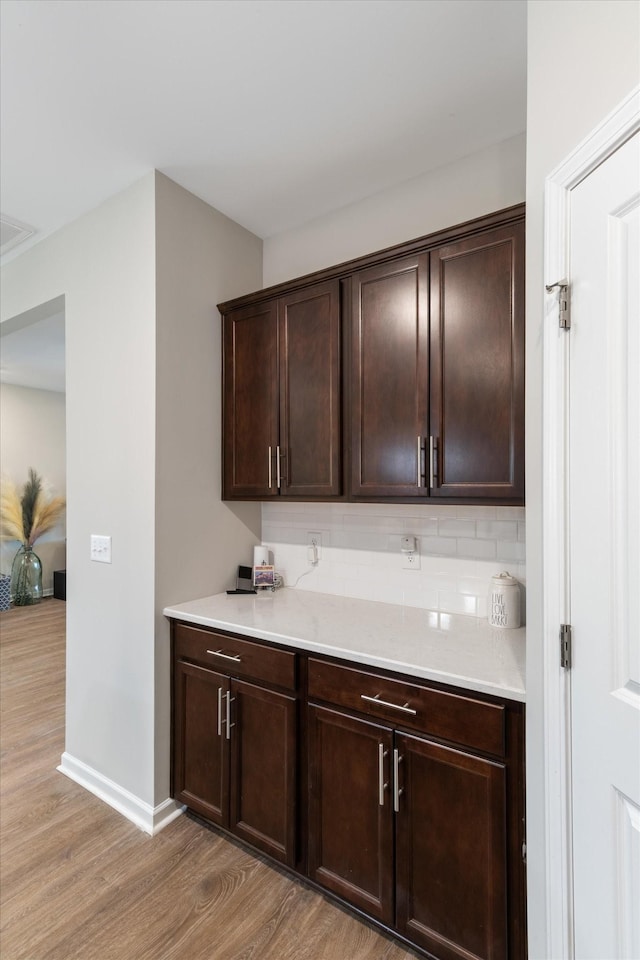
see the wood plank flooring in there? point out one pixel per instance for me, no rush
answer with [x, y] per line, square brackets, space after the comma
[79, 882]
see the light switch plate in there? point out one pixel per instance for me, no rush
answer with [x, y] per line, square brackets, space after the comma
[100, 548]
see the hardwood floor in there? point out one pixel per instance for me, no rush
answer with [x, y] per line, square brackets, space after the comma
[79, 882]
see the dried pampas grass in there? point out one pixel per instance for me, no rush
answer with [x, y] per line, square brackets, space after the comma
[29, 516]
[11, 512]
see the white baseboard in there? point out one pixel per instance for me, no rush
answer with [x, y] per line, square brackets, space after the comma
[147, 818]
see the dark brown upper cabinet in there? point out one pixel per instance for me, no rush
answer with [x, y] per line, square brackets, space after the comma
[477, 367]
[437, 373]
[282, 396]
[430, 390]
[390, 378]
[250, 401]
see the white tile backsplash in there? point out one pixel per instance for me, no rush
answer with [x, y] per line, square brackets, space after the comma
[481, 549]
[439, 546]
[497, 530]
[460, 550]
[508, 552]
[450, 527]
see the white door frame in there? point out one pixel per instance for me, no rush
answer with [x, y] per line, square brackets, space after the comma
[614, 130]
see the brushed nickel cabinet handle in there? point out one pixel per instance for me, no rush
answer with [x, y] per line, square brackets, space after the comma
[385, 703]
[397, 790]
[282, 462]
[431, 470]
[278, 476]
[419, 461]
[225, 656]
[270, 468]
[382, 786]
[219, 711]
[230, 700]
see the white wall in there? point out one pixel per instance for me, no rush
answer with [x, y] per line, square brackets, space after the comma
[583, 59]
[126, 376]
[202, 258]
[104, 264]
[32, 434]
[481, 183]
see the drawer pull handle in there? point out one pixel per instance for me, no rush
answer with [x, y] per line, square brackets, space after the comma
[225, 656]
[385, 703]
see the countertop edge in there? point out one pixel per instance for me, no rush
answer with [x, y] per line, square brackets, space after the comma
[472, 684]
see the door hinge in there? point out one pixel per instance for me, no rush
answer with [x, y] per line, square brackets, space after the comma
[524, 851]
[564, 316]
[565, 645]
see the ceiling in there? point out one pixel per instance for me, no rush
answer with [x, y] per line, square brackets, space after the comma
[273, 111]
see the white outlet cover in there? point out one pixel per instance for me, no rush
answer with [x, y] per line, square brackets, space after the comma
[100, 548]
[411, 561]
[314, 539]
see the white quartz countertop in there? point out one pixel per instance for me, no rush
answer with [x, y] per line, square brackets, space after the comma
[462, 651]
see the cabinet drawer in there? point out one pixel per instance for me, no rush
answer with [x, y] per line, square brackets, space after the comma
[240, 658]
[449, 716]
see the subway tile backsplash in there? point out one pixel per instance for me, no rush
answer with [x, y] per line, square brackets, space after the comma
[460, 550]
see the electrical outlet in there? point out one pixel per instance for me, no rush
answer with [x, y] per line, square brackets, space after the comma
[411, 560]
[314, 540]
[100, 548]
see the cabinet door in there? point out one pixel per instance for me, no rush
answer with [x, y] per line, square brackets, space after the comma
[451, 851]
[390, 386]
[310, 395]
[200, 760]
[250, 397]
[350, 815]
[263, 769]
[477, 366]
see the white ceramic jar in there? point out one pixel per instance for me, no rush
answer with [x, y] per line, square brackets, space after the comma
[504, 601]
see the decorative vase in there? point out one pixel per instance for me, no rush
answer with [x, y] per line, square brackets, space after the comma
[26, 577]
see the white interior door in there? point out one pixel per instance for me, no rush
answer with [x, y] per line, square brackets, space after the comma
[604, 552]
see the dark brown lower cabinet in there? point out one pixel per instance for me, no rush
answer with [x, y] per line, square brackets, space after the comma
[399, 797]
[235, 757]
[445, 887]
[200, 750]
[350, 823]
[262, 794]
[451, 851]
